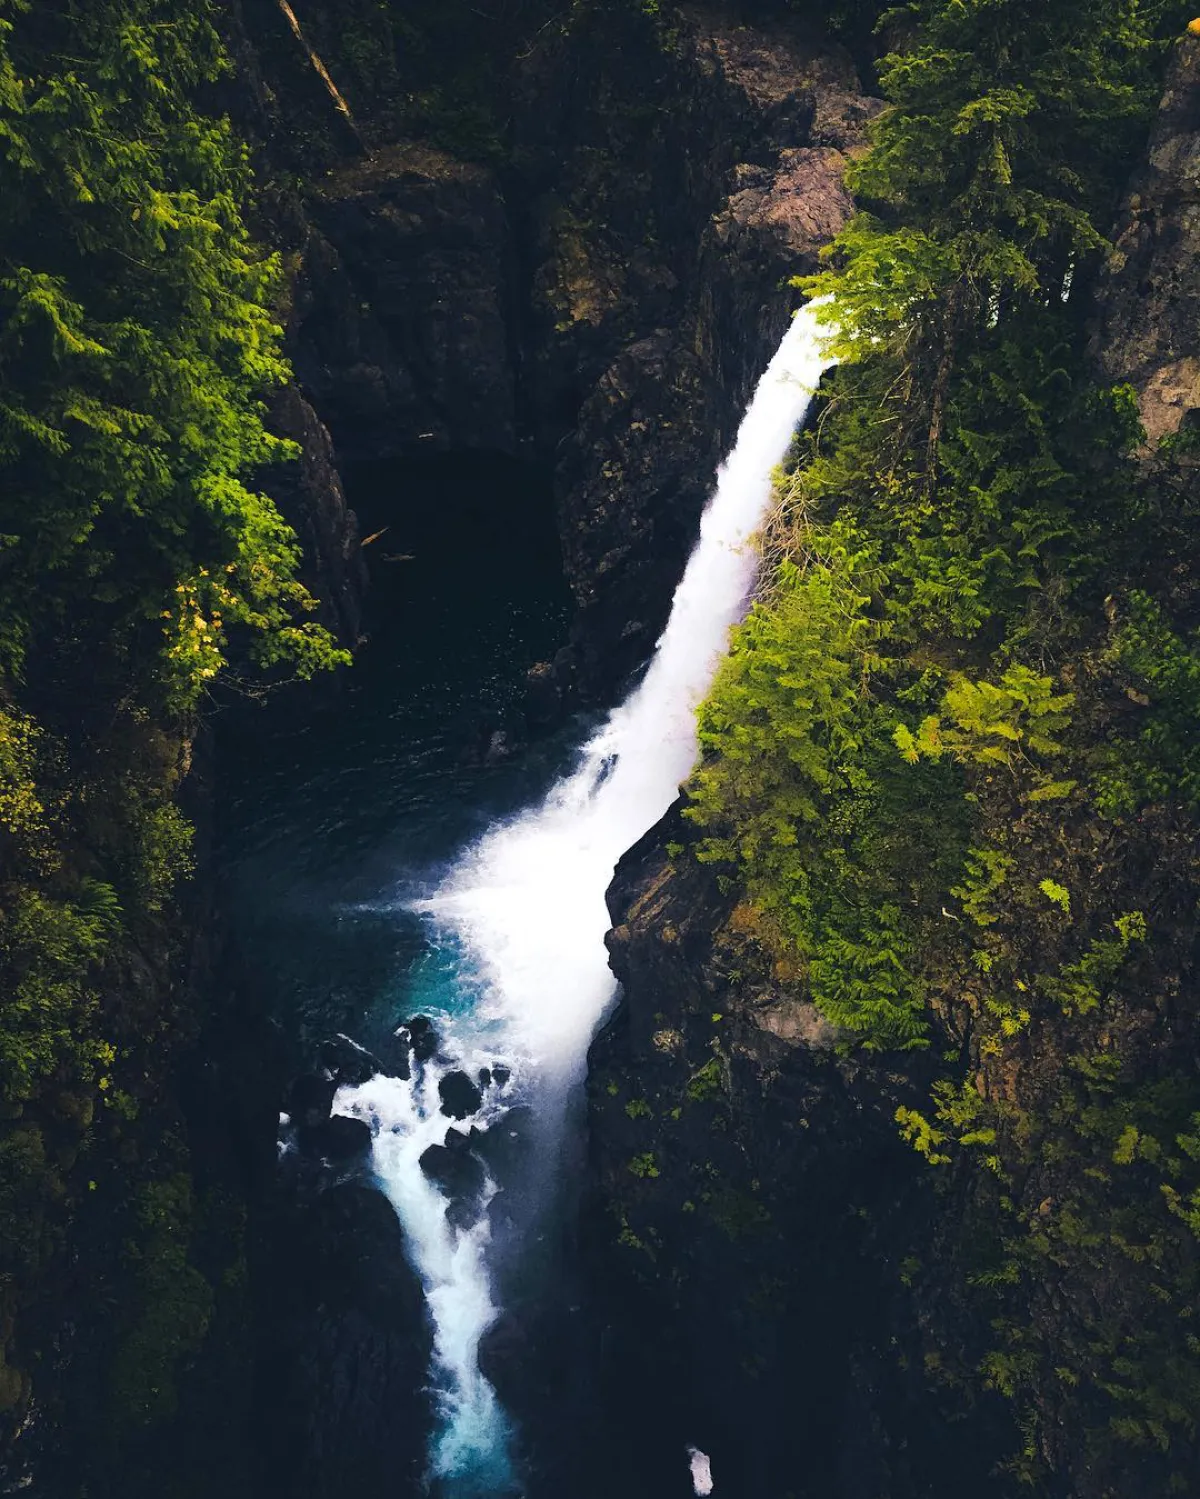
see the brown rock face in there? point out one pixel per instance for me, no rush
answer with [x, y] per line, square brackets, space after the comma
[691, 181]
[310, 496]
[1148, 331]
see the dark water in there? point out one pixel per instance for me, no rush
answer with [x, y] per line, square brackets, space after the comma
[338, 809]
[332, 815]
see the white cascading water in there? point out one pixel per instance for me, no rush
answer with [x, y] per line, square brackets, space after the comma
[524, 909]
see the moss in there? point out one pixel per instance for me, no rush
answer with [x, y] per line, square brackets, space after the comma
[173, 1307]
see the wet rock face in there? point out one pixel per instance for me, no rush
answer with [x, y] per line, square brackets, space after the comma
[459, 1095]
[338, 1140]
[345, 1406]
[422, 1037]
[310, 1100]
[665, 240]
[1148, 329]
[349, 1064]
[310, 497]
[454, 1169]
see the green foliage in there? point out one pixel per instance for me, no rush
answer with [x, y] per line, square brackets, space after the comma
[801, 792]
[136, 347]
[707, 1083]
[1058, 895]
[138, 557]
[991, 169]
[1082, 986]
[1001, 725]
[51, 949]
[1159, 667]
[174, 1306]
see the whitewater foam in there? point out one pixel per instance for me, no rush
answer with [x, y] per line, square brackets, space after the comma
[526, 903]
[700, 1467]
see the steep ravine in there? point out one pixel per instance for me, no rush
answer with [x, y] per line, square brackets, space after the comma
[600, 301]
[573, 309]
[540, 265]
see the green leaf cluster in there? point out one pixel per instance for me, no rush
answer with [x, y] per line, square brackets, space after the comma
[138, 347]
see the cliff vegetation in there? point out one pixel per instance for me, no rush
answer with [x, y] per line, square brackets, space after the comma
[138, 559]
[950, 762]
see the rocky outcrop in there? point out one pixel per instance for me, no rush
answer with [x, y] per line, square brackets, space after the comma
[345, 1408]
[1148, 331]
[311, 499]
[665, 235]
[402, 323]
[749, 1197]
[798, 1286]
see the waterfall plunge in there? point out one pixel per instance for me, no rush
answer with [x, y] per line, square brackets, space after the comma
[525, 909]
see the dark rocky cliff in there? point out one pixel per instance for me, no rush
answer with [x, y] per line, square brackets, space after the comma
[750, 1202]
[793, 1281]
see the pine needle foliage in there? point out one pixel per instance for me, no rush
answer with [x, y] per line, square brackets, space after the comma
[136, 347]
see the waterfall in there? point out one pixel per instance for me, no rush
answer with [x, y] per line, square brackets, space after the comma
[520, 919]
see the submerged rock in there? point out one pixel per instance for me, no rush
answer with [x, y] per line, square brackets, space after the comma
[460, 1096]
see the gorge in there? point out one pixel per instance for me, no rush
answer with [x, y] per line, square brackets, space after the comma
[693, 989]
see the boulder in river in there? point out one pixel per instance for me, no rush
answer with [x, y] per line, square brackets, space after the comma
[505, 1145]
[456, 1171]
[423, 1038]
[501, 1074]
[351, 1064]
[460, 1096]
[395, 1054]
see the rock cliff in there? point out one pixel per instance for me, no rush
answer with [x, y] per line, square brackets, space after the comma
[749, 1197]
[601, 301]
[1148, 330]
